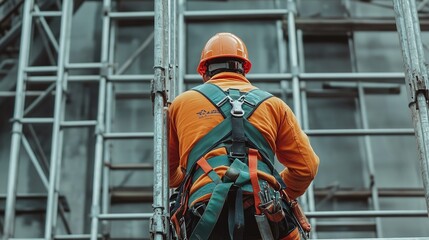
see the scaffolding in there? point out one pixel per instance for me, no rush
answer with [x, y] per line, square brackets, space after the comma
[170, 22]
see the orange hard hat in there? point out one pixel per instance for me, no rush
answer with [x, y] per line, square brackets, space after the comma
[224, 45]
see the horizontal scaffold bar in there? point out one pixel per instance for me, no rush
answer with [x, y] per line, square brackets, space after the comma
[386, 77]
[249, 14]
[132, 15]
[47, 14]
[131, 78]
[129, 135]
[84, 65]
[73, 236]
[82, 123]
[360, 132]
[41, 69]
[130, 166]
[125, 216]
[370, 213]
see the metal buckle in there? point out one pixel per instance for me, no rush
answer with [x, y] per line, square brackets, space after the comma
[199, 210]
[237, 155]
[237, 110]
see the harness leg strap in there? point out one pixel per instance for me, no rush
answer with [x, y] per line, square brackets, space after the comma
[214, 207]
[236, 214]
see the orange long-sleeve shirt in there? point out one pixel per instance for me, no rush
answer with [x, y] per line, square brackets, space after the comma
[191, 116]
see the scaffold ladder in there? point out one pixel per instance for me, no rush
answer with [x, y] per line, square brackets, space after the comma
[58, 86]
[106, 79]
[163, 86]
[170, 44]
[416, 77]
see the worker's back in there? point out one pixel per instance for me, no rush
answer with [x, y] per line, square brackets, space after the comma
[223, 136]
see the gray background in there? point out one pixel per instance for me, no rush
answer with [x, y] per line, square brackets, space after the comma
[342, 159]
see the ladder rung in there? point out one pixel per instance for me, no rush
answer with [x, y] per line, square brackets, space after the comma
[131, 194]
[125, 216]
[26, 238]
[359, 132]
[379, 88]
[369, 213]
[132, 15]
[35, 120]
[41, 69]
[84, 78]
[235, 14]
[131, 78]
[345, 226]
[83, 123]
[47, 14]
[74, 236]
[130, 166]
[130, 135]
[41, 79]
[347, 193]
[73, 78]
[71, 236]
[84, 65]
[388, 77]
[13, 94]
[132, 94]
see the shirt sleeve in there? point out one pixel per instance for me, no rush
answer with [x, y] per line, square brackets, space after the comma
[176, 174]
[294, 151]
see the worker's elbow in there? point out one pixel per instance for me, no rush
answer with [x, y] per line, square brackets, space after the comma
[313, 167]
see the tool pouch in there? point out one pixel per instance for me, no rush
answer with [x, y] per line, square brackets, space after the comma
[273, 217]
[300, 216]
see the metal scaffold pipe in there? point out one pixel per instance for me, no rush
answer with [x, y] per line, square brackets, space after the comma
[159, 220]
[416, 77]
[9, 218]
[100, 127]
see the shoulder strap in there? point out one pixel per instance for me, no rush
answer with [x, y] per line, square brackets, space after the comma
[253, 99]
[216, 96]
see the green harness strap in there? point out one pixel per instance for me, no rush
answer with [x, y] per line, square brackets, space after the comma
[219, 98]
[252, 100]
[218, 137]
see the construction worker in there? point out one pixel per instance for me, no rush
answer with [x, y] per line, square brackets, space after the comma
[223, 136]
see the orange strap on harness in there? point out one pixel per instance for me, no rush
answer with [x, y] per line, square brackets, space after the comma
[253, 171]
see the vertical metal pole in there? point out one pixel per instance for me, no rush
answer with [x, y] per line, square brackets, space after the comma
[369, 160]
[100, 128]
[281, 45]
[416, 77]
[367, 140]
[166, 174]
[293, 56]
[159, 219]
[9, 219]
[110, 103]
[172, 92]
[172, 50]
[57, 138]
[182, 46]
[309, 194]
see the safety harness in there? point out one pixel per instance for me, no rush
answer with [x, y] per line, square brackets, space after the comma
[243, 143]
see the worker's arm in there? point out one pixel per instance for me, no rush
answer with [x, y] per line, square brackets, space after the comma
[176, 174]
[295, 153]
